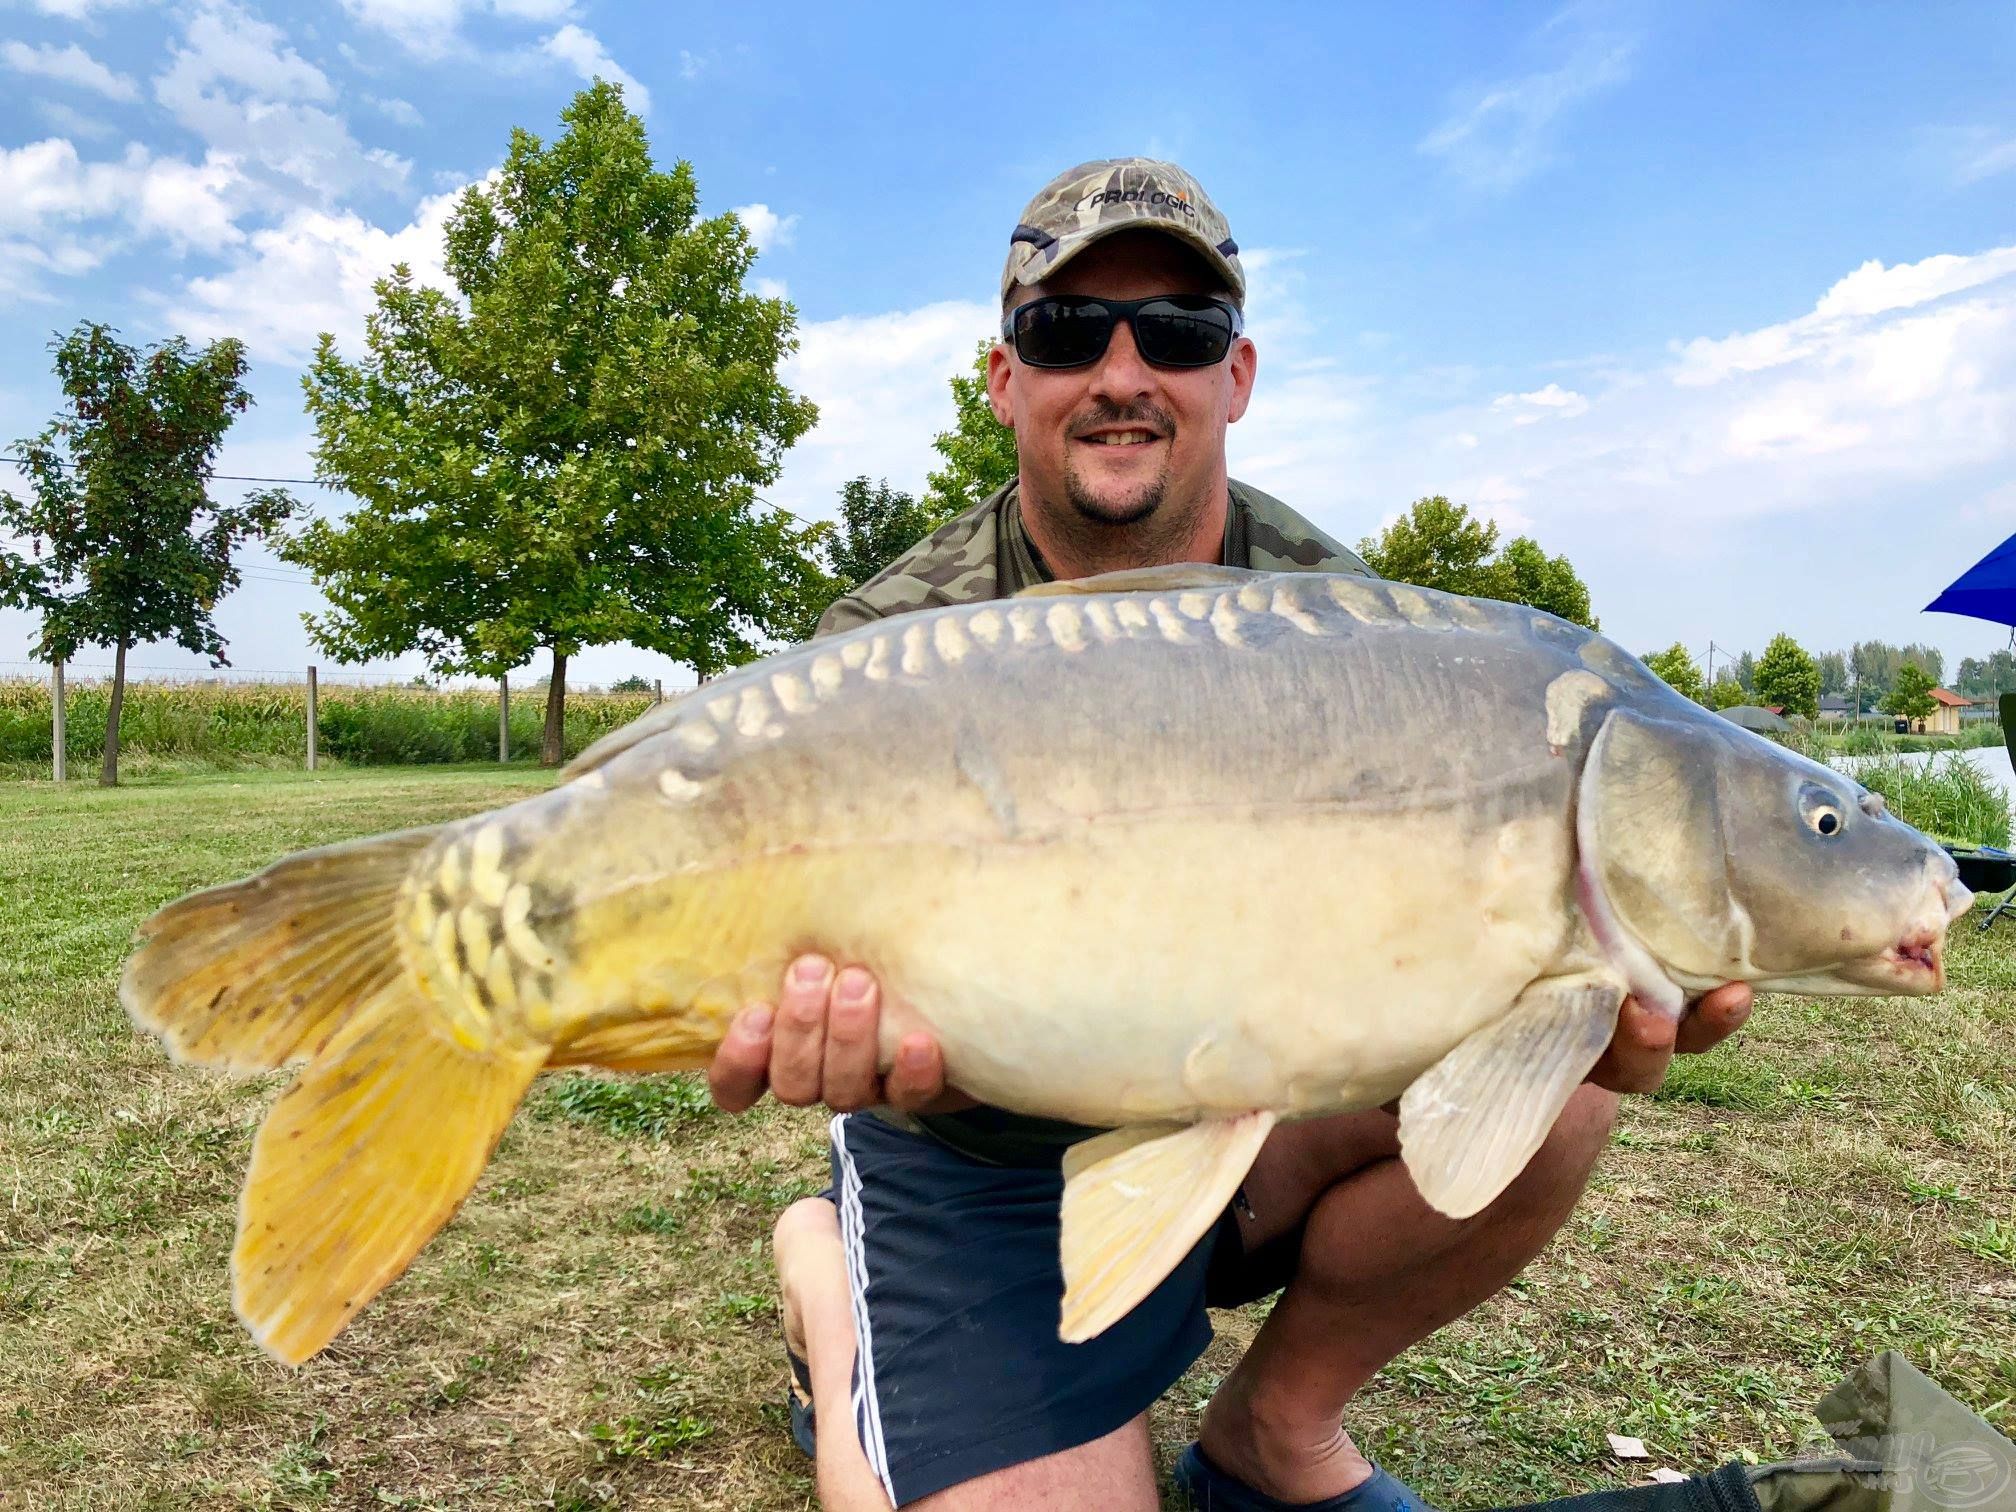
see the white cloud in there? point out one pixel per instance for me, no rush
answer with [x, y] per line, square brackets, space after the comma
[882, 386]
[1504, 134]
[311, 273]
[534, 10]
[692, 65]
[69, 65]
[1550, 403]
[399, 112]
[73, 123]
[433, 28]
[46, 183]
[236, 82]
[80, 10]
[583, 51]
[765, 226]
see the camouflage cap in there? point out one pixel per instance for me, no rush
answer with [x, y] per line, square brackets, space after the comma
[1093, 200]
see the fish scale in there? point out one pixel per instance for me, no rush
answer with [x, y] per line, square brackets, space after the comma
[1181, 853]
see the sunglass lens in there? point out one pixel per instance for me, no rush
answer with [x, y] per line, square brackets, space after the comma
[1062, 332]
[1177, 335]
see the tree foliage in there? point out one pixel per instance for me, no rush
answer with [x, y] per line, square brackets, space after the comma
[877, 524]
[1746, 671]
[1676, 667]
[1911, 694]
[1833, 667]
[1727, 693]
[1788, 677]
[1439, 544]
[1876, 663]
[979, 451]
[1987, 678]
[567, 455]
[136, 549]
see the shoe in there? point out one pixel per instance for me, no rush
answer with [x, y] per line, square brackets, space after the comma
[1212, 1490]
[798, 1397]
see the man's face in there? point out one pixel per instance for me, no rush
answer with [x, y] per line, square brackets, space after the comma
[1116, 438]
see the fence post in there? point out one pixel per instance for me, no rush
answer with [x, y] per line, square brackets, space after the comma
[311, 719]
[503, 719]
[658, 690]
[56, 718]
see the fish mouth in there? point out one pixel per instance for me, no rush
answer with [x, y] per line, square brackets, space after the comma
[1913, 967]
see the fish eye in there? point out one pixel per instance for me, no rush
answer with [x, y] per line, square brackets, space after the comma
[1821, 810]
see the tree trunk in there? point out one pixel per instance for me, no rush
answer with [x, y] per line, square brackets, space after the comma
[108, 774]
[556, 710]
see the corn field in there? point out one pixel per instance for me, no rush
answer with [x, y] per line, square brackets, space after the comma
[220, 725]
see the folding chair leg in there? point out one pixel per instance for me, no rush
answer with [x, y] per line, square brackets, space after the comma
[1995, 913]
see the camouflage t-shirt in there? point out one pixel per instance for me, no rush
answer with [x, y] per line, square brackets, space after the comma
[984, 554]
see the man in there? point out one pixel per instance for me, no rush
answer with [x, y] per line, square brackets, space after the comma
[928, 1303]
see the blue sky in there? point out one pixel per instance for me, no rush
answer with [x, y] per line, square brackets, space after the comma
[1719, 300]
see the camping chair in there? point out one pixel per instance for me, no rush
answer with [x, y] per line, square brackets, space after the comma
[1986, 869]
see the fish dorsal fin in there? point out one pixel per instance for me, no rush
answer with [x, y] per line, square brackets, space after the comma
[1135, 1202]
[1175, 576]
[1470, 1123]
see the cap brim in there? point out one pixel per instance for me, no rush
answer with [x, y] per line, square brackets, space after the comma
[1048, 260]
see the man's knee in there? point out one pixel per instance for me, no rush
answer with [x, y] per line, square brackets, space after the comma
[1577, 1140]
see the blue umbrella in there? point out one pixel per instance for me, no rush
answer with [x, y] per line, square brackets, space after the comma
[1987, 590]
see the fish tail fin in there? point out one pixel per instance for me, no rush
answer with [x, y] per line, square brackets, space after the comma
[256, 974]
[360, 1163]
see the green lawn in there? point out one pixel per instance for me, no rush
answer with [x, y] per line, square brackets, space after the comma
[597, 1328]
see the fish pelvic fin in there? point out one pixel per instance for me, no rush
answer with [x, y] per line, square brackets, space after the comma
[359, 1164]
[256, 974]
[1469, 1124]
[1135, 1202]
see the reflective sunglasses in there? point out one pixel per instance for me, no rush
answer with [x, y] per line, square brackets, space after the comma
[1170, 330]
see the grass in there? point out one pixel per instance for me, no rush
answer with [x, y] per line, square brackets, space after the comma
[1945, 796]
[597, 1328]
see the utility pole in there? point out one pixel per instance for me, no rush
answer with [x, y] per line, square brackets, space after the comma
[503, 719]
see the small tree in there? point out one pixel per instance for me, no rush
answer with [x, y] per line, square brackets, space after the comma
[979, 451]
[1439, 544]
[1727, 693]
[137, 550]
[877, 524]
[568, 454]
[1746, 672]
[1833, 671]
[1788, 677]
[1911, 695]
[1677, 669]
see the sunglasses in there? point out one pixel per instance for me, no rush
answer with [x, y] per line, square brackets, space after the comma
[1170, 330]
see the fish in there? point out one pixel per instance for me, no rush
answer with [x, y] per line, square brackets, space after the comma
[1180, 853]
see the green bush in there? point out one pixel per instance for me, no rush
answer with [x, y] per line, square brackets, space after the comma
[195, 725]
[1949, 798]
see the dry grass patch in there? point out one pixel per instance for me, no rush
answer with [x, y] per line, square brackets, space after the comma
[597, 1328]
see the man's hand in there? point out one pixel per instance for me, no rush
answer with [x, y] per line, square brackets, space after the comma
[1646, 1040]
[820, 1045]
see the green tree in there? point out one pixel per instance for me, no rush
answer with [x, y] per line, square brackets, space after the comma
[136, 549]
[1678, 670]
[1439, 544]
[877, 524]
[1746, 672]
[567, 455]
[1833, 671]
[1911, 695]
[1726, 693]
[979, 451]
[1788, 677]
[632, 684]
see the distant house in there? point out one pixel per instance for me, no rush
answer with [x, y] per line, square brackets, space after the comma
[1945, 719]
[1834, 706]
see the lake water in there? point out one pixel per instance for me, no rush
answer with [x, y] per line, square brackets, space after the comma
[1991, 761]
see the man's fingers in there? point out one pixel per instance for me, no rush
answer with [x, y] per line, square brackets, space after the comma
[741, 1067]
[798, 1042]
[917, 1080]
[1718, 1015]
[853, 1015]
[1639, 1050]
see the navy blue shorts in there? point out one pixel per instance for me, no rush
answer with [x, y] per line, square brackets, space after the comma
[953, 1268]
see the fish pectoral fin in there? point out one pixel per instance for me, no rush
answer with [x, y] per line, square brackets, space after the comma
[362, 1159]
[1470, 1123]
[1135, 1201]
[1148, 579]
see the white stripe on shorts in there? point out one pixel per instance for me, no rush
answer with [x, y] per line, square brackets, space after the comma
[867, 1408]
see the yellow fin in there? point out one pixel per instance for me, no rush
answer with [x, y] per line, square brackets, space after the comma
[1149, 579]
[673, 1042]
[1470, 1122]
[1135, 1201]
[254, 974]
[359, 1164]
